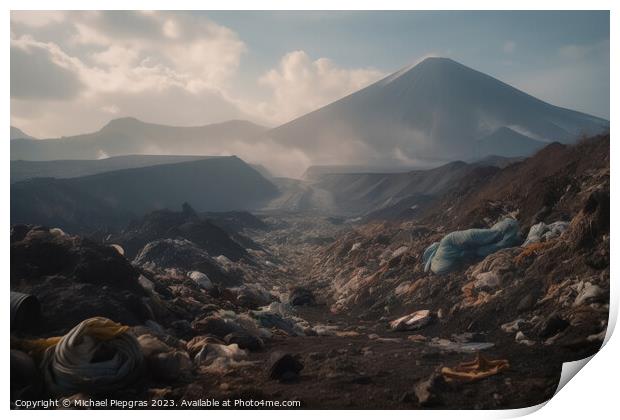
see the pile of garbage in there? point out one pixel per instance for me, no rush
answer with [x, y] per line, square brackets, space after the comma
[543, 271]
[185, 224]
[82, 277]
[183, 255]
[86, 321]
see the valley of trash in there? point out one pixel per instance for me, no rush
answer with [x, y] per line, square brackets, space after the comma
[474, 309]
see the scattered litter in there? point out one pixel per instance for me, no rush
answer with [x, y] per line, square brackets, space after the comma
[220, 354]
[57, 232]
[589, 291]
[400, 251]
[172, 365]
[416, 338]
[477, 369]
[253, 295]
[428, 392]
[347, 334]
[449, 345]
[413, 321]
[542, 232]
[277, 316]
[196, 344]
[514, 326]
[146, 284]
[389, 340]
[151, 345]
[325, 330]
[522, 339]
[117, 248]
[215, 325]
[486, 281]
[598, 337]
[223, 259]
[200, 279]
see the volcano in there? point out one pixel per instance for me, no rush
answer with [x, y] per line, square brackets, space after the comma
[436, 111]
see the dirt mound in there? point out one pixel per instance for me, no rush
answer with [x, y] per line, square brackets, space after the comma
[183, 255]
[545, 187]
[166, 224]
[83, 278]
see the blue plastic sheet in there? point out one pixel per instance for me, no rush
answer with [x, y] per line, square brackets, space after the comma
[443, 256]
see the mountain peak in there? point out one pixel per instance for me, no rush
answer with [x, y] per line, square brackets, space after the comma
[436, 110]
[123, 122]
[427, 67]
[438, 60]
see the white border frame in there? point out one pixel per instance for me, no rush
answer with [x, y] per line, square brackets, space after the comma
[592, 395]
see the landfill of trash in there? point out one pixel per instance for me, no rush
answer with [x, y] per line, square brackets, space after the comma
[474, 305]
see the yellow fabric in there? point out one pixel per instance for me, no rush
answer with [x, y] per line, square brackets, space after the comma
[99, 328]
[103, 329]
[479, 368]
[36, 346]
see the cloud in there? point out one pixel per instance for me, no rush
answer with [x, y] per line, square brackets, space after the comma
[168, 67]
[41, 71]
[299, 85]
[509, 47]
[171, 68]
[39, 18]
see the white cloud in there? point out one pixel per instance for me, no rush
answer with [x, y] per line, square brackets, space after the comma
[175, 65]
[300, 85]
[105, 57]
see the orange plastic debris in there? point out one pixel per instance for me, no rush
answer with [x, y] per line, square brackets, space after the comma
[532, 249]
[479, 368]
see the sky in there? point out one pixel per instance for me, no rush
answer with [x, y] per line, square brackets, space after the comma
[72, 72]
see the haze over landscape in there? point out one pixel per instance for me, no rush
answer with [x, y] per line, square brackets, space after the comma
[94, 68]
[280, 216]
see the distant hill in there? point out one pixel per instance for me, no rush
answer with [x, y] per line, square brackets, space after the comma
[129, 136]
[315, 172]
[358, 194]
[498, 161]
[363, 193]
[111, 199]
[16, 133]
[26, 169]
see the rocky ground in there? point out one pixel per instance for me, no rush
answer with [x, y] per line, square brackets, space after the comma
[309, 308]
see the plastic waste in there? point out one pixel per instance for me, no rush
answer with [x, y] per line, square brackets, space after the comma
[441, 257]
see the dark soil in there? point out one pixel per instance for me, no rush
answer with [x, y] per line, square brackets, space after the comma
[362, 373]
